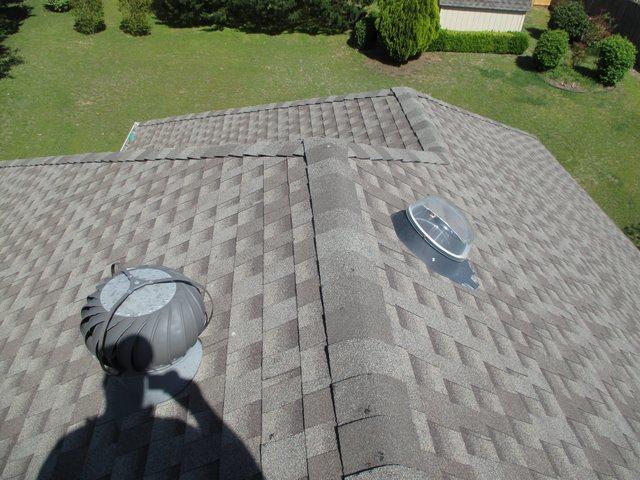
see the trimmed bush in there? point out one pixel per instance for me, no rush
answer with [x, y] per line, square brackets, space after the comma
[551, 48]
[571, 17]
[633, 232]
[617, 56]
[89, 16]
[363, 35]
[135, 17]
[57, 5]
[406, 28]
[480, 42]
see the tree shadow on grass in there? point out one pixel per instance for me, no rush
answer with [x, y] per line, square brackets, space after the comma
[587, 72]
[12, 14]
[526, 63]
[8, 59]
[535, 32]
[378, 54]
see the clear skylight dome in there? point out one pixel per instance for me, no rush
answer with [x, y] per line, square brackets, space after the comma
[443, 225]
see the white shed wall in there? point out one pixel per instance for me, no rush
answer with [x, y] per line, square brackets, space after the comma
[478, 20]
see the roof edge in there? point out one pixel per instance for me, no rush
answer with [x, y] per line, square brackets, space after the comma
[474, 115]
[268, 106]
[292, 148]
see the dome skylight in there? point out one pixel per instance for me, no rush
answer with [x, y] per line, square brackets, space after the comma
[443, 225]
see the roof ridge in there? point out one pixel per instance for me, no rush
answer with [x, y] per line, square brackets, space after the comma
[374, 430]
[268, 148]
[422, 126]
[267, 106]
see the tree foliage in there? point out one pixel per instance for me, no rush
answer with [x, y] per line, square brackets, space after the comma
[407, 27]
[571, 17]
[272, 16]
[363, 35]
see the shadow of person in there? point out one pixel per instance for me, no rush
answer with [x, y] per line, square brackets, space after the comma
[183, 437]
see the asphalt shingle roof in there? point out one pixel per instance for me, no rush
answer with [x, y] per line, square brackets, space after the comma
[334, 351]
[515, 6]
[373, 118]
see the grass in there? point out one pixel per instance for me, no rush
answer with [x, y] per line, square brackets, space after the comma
[76, 93]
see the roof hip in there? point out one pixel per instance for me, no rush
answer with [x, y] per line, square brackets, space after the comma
[374, 422]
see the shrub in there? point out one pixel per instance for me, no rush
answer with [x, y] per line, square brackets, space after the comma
[600, 27]
[363, 35]
[480, 42]
[571, 17]
[89, 16]
[617, 56]
[272, 14]
[633, 232]
[57, 5]
[578, 54]
[325, 16]
[135, 17]
[551, 48]
[406, 28]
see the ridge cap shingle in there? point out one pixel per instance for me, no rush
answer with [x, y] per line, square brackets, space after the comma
[267, 148]
[360, 343]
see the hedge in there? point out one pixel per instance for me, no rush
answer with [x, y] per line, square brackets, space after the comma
[616, 57]
[406, 28]
[480, 42]
[551, 48]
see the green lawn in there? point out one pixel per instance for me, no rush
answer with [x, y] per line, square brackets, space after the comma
[76, 93]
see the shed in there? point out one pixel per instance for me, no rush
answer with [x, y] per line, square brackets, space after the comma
[479, 15]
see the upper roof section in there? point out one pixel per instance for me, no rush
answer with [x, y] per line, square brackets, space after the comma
[380, 118]
[519, 6]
